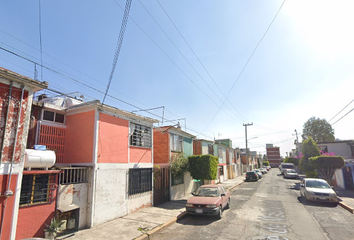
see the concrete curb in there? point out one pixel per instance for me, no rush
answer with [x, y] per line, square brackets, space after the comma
[345, 206]
[162, 226]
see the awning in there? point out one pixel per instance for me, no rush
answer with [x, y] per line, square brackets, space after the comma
[68, 208]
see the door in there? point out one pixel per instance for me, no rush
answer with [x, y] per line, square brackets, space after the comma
[161, 185]
[348, 178]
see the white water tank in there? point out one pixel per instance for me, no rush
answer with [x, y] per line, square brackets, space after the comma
[39, 158]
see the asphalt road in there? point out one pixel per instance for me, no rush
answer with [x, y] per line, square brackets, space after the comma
[268, 209]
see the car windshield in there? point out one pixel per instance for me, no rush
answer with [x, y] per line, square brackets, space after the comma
[290, 171]
[207, 192]
[316, 184]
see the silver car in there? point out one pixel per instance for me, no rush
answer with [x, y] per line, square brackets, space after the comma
[314, 189]
[291, 173]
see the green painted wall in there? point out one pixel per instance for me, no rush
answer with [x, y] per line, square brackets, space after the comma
[188, 146]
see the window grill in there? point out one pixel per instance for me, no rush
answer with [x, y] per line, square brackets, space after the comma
[73, 175]
[176, 142]
[140, 135]
[140, 180]
[37, 188]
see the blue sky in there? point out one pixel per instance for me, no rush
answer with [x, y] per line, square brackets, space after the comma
[302, 67]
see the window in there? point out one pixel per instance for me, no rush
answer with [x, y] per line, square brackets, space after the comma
[221, 170]
[37, 188]
[177, 180]
[140, 135]
[53, 116]
[140, 180]
[176, 142]
[210, 149]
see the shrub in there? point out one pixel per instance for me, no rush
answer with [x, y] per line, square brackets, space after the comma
[293, 160]
[311, 174]
[203, 167]
[265, 163]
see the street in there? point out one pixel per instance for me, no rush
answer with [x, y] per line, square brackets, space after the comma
[268, 209]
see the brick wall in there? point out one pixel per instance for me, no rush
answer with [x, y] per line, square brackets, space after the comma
[161, 146]
[197, 147]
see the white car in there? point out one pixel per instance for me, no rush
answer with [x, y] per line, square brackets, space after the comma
[314, 189]
[291, 173]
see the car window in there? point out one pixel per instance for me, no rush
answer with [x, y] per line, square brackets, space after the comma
[208, 192]
[222, 190]
[317, 184]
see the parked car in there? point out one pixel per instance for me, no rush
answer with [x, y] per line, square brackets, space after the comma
[284, 166]
[259, 173]
[251, 175]
[291, 173]
[314, 189]
[209, 200]
[263, 170]
[268, 167]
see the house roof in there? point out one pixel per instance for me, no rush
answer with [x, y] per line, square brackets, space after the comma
[175, 130]
[34, 84]
[104, 107]
[204, 140]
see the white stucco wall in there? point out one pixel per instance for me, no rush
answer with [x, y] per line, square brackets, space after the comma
[205, 149]
[339, 178]
[75, 194]
[182, 190]
[139, 201]
[110, 197]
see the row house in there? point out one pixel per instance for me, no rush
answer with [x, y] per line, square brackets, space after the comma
[344, 177]
[169, 143]
[16, 95]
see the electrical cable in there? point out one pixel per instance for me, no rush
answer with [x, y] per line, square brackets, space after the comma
[119, 44]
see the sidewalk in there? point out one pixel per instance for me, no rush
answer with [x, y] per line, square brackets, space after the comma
[148, 220]
[346, 198]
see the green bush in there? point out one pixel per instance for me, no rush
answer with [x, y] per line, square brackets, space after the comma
[295, 161]
[311, 174]
[265, 163]
[203, 167]
[179, 165]
[327, 165]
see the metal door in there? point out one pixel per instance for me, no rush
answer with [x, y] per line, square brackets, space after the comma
[161, 185]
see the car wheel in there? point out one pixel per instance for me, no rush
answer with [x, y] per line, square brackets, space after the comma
[228, 204]
[220, 212]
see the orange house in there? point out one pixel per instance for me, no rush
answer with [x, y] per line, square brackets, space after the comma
[104, 155]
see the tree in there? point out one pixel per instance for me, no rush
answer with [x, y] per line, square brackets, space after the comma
[309, 149]
[319, 129]
[265, 163]
[179, 165]
[203, 167]
[295, 161]
[327, 165]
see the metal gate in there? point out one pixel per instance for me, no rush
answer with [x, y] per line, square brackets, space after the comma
[161, 185]
[348, 178]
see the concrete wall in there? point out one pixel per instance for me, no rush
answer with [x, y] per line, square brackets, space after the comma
[183, 190]
[205, 148]
[139, 201]
[110, 193]
[75, 194]
[340, 149]
[187, 146]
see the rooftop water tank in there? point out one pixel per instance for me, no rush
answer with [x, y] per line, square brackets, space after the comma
[39, 158]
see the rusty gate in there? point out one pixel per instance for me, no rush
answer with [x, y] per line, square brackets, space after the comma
[161, 185]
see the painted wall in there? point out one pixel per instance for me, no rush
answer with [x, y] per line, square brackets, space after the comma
[79, 137]
[205, 148]
[188, 146]
[110, 195]
[140, 155]
[340, 149]
[161, 147]
[7, 134]
[183, 190]
[75, 194]
[113, 139]
[10, 204]
[32, 219]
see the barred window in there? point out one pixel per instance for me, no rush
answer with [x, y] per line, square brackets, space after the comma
[140, 180]
[53, 116]
[37, 188]
[177, 180]
[73, 175]
[140, 135]
[176, 142]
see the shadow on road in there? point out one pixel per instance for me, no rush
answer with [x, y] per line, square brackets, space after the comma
[316, 204]
[295, 186]
[196, 220]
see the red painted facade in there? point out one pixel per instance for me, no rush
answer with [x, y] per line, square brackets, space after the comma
[161, 146]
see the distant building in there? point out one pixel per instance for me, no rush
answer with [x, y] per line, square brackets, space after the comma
[273, 155]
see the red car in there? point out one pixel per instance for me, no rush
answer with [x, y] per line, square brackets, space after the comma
[209, 200]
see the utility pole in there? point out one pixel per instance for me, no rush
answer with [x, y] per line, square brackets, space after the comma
[247, 160]
[297, 144]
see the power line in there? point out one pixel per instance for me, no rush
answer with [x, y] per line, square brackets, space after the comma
[119, 44]
[250, 57]
[341, 110]
[342, 117]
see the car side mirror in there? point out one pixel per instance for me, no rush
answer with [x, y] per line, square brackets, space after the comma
[193, 193]
[223, 195]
